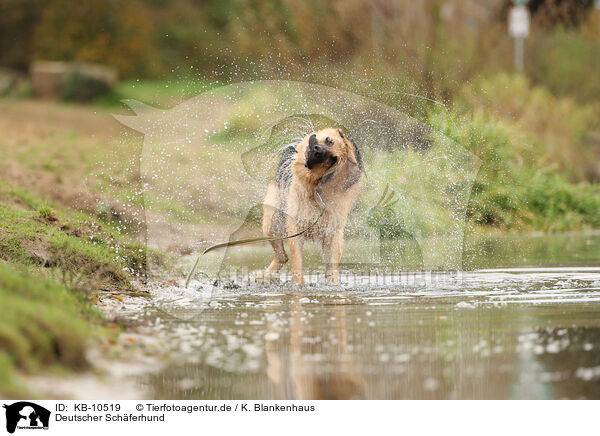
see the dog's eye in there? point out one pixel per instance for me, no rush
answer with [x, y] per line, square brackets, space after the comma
[328, 141]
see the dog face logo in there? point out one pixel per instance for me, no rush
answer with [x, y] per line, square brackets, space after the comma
[26, 415]
[207, 163]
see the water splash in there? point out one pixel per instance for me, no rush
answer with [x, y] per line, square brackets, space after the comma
[205, 164]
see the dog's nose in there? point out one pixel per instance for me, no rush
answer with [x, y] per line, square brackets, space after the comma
[317, 149]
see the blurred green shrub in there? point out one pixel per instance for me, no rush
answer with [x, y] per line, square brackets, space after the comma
[566, 62]
[557, 205]
[82, 88]
[516, 186]
[559, 132]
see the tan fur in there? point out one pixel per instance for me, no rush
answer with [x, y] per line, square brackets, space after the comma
[269, 209]
[287, 366]
[303, 207]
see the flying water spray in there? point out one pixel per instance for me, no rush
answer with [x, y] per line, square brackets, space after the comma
[205, 165]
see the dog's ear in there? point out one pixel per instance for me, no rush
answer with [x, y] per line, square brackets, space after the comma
[349, 146]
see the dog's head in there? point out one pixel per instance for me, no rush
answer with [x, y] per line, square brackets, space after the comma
[326, 148]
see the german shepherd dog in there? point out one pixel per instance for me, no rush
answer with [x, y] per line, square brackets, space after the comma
[324, 169]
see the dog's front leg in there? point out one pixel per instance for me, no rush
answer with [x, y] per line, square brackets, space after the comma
[332, 253]
[296, 258]
[296, 254]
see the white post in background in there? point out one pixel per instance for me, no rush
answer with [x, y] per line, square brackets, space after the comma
[518, 28]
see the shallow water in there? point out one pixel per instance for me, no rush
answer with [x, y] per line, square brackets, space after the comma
[526, 326]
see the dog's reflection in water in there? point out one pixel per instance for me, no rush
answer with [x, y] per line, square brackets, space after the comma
[311, 362]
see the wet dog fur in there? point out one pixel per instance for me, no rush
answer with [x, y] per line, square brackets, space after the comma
[324, 162]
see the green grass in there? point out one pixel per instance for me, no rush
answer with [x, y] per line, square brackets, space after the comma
[37, 234]
[43, 325]
[163, 93]
[557, 205]
[53, 262]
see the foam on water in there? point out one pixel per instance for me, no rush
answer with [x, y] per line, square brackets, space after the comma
[522, 286]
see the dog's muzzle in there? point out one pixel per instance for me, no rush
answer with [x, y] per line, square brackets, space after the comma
[315, 155]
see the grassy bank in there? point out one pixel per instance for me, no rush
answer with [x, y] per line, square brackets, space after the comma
[54, 263]
[90, 254]
[65, 243]
[45, 325]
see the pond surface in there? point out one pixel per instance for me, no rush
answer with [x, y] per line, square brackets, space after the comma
[524, 325]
